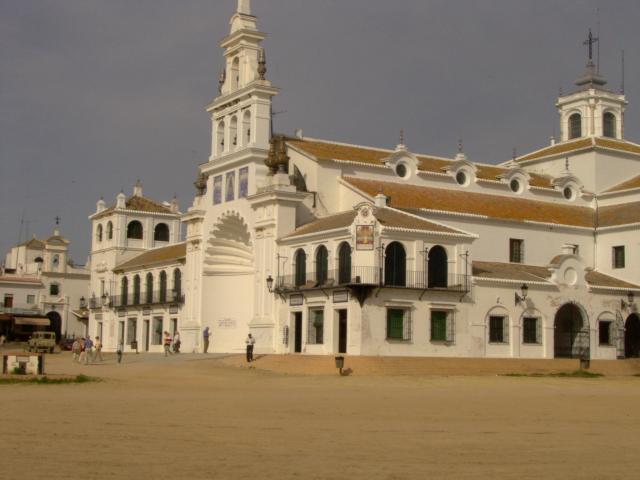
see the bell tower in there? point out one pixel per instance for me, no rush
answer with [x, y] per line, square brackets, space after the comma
[591, 110]
[241, 113]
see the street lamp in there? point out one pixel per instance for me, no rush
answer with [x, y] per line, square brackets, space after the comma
[270, 283]
[524, 289]
[83, 302]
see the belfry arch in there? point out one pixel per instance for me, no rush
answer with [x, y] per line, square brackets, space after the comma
[571, 332]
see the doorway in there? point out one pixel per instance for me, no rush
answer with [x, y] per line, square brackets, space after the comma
[342, 331]
[120, 332]
[145, 335]
[571, 333]
[56, 323]
[297, 332]
[632, 336]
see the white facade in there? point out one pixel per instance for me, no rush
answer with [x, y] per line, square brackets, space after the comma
[321, 247]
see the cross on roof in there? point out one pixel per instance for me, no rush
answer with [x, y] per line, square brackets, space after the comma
[57, 220]
[590, 41]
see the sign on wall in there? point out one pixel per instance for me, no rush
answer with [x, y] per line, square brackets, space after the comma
[296, 299]
[340, 296]
[226, 323]
[364, 237]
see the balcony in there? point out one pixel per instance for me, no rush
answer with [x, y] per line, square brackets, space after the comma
[25, 309]
[373, 277]
[157, 297]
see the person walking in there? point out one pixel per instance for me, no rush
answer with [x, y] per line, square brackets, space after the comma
[167, 344]
[88, 350]
[97, 347]
[2, 339]
[250, 341]
[119, 351]
[176, 342]
[76, 350]
[205, 339]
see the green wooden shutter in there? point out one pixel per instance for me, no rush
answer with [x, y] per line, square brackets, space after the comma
[395, 323]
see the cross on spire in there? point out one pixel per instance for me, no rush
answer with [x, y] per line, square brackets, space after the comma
[590, 41]
[57, 220]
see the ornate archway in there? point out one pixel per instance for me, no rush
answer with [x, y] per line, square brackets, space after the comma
[571, 333]
[632, 336]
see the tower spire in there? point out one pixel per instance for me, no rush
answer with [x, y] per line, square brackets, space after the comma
[591, 78]
[244, 7]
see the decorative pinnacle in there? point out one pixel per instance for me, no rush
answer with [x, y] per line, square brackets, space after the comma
[222, 79]
[590, 41]
[262, 64]
[460, 149]
[401, 136]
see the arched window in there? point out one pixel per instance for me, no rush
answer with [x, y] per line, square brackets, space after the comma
[124, 290]
[99, 233]
[246, 128]
[163, 286]
[344, 263]
[235, 73]
[220, 136]
[136, 290]
[322, 265]
[301, 267]
[177, 284]
[395, 265]
[109, 231]
[233, 132]
[575, 126]
[134, 230]
[161, 233]
[437, 271]
[609, 125]
[149, 288]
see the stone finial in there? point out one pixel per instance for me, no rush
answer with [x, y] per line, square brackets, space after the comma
[137, 189]
[380, 200]
[283, 158]
[244, 7]
[121, 200]
[271, 161]
[174, 204]
[262, 64]
[100, 205]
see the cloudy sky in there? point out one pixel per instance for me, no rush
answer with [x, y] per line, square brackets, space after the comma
[96, 93]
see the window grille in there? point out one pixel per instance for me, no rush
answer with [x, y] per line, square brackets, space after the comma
[605, 332]
[498, 329]
[516, 250]
[618, 257]
[407, 326]
[439, 328]
[395, 324]
[451, 327]
[530, 330]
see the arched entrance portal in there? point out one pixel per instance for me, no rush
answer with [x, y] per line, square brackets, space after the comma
[571, 333]
[632, 336]
[56, 324]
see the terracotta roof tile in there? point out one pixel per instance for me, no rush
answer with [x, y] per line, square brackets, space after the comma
[558, 148]
[622, 214]
[172, 253]
[626, 185]
[623, 145]
[510, 271]
[140, 204]
[20, 279]
[410, 197]
[597, 279]
[334, 151]
[330, 222]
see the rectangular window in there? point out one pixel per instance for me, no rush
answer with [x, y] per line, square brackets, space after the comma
[516, 250]
[8, 300]
[230, 184]
[498, 329]
[604, 333]
[530, 330]
[315, 330]
[54, 289]
[398, 324]
[157, 331]
[243, 182]
[217, 189]
[618, 257]
[31, 299]
[438, 326]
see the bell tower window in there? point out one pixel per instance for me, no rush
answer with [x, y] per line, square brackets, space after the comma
[233, 132]
[609, 125]
[246, 128]
[575, 126]
[220, 135]
[235, 73]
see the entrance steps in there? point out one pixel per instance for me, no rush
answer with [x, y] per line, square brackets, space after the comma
[428, 366]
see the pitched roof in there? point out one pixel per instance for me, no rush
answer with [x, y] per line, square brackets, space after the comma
[387, 217]
[621, 214]
[626, 185]
[582, 143]
[510, 271]
[20, 279]
[172, 253]
[140, 204]
[597, 279]
[33, 243]
[374, 156]
[411, 197]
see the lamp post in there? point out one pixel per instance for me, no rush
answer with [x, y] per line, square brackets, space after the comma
[270, 283]
[83, 302]
[524, 289]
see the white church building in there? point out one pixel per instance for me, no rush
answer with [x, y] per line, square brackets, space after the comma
[320, 247]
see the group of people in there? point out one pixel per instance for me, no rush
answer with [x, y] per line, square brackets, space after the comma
[171, 345]
[84, 350]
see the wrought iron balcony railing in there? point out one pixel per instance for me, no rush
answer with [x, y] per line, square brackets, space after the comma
[157, 297]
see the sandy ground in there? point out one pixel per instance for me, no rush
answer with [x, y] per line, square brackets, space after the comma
[191, 417]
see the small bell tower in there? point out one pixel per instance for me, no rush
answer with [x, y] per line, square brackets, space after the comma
[241, 113]
[591, 110]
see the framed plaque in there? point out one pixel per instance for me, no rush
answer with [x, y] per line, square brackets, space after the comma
[340, 296]
[296, 299]
[364, 237]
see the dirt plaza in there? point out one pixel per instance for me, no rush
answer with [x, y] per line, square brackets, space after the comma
[201, 417]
